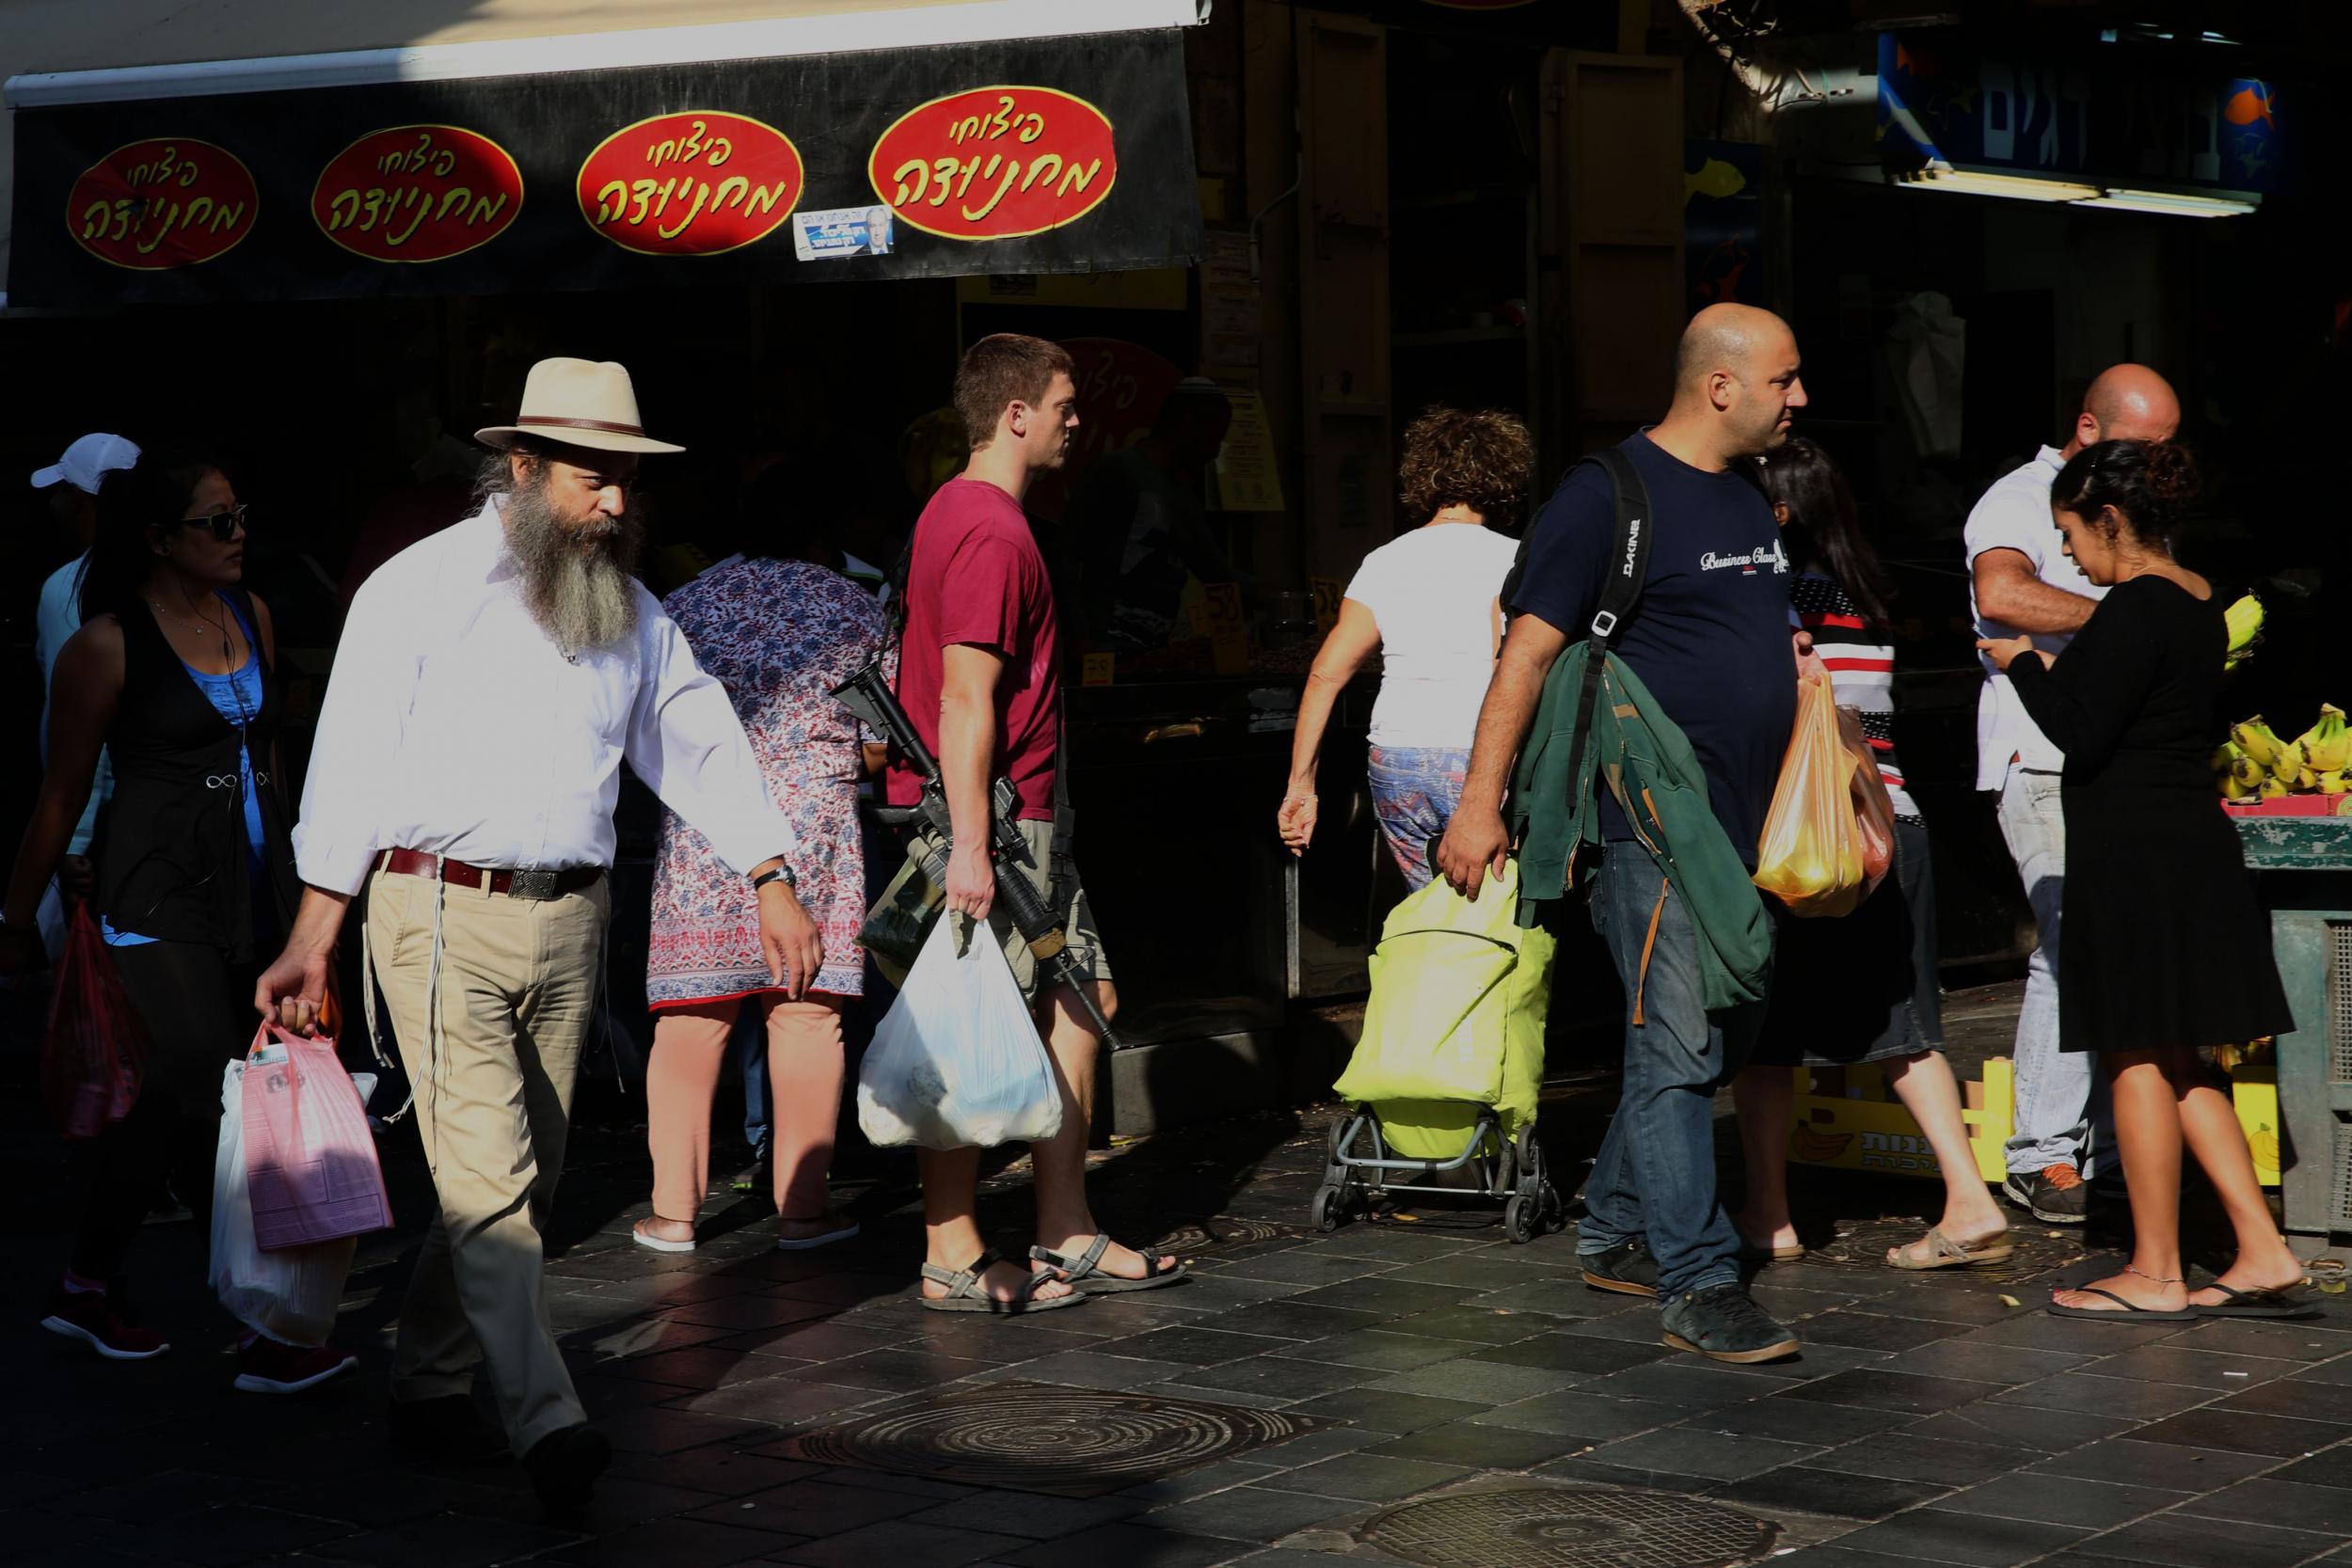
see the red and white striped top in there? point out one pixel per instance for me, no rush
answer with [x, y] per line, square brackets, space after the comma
[1860, 654]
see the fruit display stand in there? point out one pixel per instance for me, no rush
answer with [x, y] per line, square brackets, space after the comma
[2303, 871]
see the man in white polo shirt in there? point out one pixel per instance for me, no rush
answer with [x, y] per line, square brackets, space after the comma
[2022, 583]
[72, 483]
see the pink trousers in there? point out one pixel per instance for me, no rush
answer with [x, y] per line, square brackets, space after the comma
[805, 1072]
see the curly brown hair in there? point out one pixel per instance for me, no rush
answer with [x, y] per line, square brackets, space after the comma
[1457, 458]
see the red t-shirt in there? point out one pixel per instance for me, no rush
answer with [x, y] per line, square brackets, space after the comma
[978, 577]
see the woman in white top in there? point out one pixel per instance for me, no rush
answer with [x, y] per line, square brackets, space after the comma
[1426, 603]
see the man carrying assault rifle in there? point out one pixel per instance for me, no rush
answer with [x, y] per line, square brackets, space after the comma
[977, 676]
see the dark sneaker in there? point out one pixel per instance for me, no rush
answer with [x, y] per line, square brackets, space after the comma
[90, 1316]
[757, 1177]
[565, 1466]
[266, 1366]
[450, 1429]
[1627, 1268]
[1722, 1323]
[2056, 1195]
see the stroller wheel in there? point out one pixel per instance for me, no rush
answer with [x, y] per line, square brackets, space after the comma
[1324, 1212]
[1523, 1219]
[1335, 1136]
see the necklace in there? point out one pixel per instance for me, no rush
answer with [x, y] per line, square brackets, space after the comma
[202, 624]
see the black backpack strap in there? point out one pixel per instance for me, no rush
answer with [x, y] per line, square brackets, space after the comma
[1620, 589]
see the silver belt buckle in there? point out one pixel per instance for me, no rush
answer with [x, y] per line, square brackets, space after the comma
[538, 886]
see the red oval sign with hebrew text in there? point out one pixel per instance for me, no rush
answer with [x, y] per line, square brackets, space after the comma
[162, 204]
[695, 183]
[418, 192]
[996, 163]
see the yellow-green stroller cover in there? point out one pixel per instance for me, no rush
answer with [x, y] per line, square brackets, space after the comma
[1459, 993]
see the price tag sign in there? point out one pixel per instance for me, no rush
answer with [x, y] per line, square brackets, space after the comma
[1100, 670]
[1328, 592]
[1229, 634]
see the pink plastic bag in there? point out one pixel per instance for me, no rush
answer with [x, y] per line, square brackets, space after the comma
[309, 1158]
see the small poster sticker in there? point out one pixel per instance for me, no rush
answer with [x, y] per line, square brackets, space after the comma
[843, 231]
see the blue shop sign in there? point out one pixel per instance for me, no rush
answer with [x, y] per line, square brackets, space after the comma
[2115, 114]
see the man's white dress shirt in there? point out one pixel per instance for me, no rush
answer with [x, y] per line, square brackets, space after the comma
[453, 726]
[2014, 515]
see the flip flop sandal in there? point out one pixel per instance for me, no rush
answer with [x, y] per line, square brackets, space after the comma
[965, 1293]
[1945, 1253]
[1086, 1273]
[2274, 1301]
[843, 1229]
[658, 1244]
[2129, 1313]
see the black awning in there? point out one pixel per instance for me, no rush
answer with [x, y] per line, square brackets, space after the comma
[1050, 155]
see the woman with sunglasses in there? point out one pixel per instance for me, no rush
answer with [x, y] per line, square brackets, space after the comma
[171, 674]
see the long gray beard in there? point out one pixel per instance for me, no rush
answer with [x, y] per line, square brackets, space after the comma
[582, 598]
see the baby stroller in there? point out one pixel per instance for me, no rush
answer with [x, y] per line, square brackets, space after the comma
[1446, 1075]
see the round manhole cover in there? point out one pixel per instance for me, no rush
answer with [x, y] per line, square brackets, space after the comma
[1042, 1437]
[2037, 1250]
[1567, 1528]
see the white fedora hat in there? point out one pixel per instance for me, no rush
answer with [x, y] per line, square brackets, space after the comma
[578, 403]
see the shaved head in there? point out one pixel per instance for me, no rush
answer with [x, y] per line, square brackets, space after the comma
[1736, 381]
[2126, 403]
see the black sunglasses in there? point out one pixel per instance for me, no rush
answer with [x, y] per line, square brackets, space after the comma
[223, 524]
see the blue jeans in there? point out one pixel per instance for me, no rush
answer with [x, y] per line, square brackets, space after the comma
[1655, 1175]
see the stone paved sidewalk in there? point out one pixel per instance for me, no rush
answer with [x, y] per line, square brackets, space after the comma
[1938, 1419]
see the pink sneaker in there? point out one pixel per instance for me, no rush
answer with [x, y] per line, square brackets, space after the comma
[89, 1315]
[266, 1366]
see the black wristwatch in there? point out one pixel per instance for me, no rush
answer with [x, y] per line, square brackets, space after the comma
[780, 872]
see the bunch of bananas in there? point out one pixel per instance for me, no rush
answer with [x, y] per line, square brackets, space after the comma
[2255, 764]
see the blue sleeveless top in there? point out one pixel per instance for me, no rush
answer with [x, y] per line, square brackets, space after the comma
[237, 698]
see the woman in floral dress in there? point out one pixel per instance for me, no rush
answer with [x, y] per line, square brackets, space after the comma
[780, 633]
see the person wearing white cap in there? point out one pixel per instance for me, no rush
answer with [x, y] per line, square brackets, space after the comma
[72, 483]
[491, 680]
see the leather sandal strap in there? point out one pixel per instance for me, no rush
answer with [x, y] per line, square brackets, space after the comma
[964, 1281]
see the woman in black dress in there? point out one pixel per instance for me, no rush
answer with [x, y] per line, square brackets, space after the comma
[2165, 948]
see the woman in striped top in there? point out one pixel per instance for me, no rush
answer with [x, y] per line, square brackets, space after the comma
[1860, 988]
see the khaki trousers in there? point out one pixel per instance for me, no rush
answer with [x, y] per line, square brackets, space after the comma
[515, 980]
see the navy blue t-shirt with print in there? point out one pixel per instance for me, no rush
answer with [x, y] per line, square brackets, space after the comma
[1709, 638]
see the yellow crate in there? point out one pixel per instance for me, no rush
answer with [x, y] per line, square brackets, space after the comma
[2254, 1090]
[1875, 1133]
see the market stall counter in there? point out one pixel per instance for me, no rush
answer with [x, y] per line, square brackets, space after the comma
[2303, 871]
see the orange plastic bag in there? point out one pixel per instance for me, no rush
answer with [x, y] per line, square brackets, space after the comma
[1810, 856]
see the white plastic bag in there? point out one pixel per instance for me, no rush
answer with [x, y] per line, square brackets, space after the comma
[291, 1294]
[957, 1062]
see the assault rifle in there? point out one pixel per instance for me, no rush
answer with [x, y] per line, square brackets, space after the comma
[868, 694]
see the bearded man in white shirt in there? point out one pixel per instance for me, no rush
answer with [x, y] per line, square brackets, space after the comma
[490, 681]
[2023, 584]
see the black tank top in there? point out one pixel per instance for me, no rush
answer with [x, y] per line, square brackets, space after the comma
[173, 858]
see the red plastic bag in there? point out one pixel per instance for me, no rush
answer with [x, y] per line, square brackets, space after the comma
[1810, 855]
[1874, 809]
[95, 1052]
[309, 1158]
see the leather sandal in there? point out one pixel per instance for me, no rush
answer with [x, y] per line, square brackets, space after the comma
[966, 1293]
[1085, 1270]
[1945, 1253]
